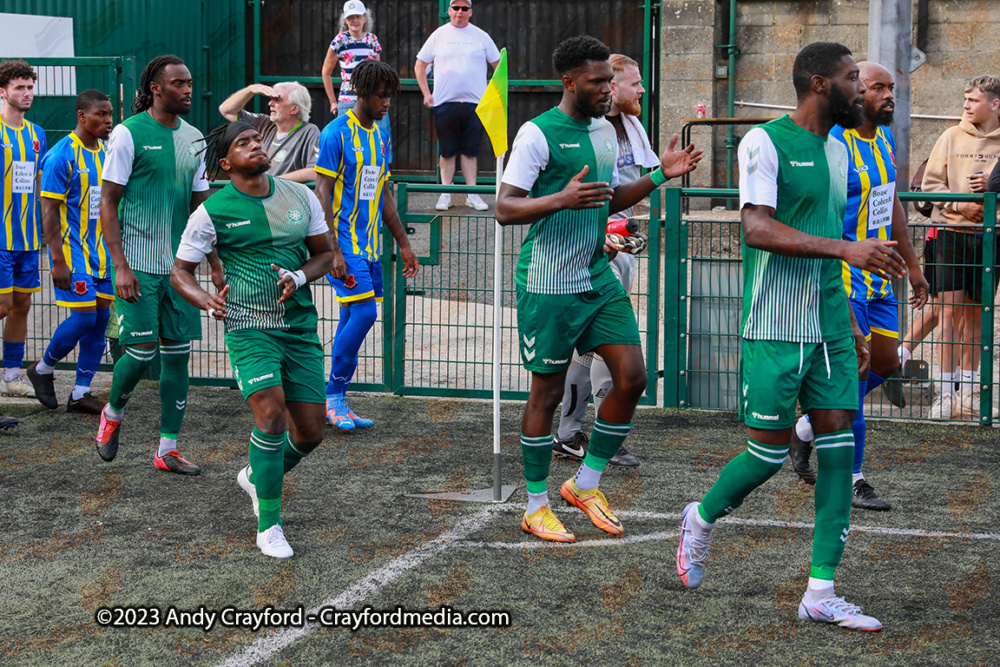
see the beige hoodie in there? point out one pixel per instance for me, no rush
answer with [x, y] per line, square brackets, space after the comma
[960, 151]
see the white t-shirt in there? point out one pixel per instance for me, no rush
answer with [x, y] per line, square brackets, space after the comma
[460, 56]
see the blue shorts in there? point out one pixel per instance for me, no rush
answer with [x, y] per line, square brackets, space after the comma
[878, 315]
[19, 271]
[364, 280]
[84, 291]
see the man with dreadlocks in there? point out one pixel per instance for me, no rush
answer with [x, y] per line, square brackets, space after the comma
[273, 239]
[152, 180]
[351, 178]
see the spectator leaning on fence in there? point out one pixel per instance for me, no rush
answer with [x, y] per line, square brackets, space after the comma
[961, 161]
[21, 160]
[353, 44]
[290, 140]
[459, 52]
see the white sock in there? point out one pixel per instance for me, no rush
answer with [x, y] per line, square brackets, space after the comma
[904, 355]
[587, 478]
[857, 477]
[10, 374]
[804, 429]
[78, 391]
[167, 445]
[537, 500]
[700, 526]
[43, 368]
[967, 381]
[113, 415]
[947, 383]
[818, 589]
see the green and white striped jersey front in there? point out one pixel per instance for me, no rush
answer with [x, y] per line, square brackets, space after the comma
[159, 167]
[563, 253]
[803, 177]
[251, 233]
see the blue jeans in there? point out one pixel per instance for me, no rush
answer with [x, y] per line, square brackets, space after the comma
[383, 125]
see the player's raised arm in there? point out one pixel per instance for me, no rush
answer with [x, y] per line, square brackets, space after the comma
[673, 163]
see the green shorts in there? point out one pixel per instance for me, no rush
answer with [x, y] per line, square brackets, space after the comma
[160, 312]
[549, 326]
[271, 358]
[776, 374]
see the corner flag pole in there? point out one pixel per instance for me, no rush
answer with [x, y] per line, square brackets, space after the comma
[497, 299]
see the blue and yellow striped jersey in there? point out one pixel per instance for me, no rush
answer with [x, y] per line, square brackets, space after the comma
[22, 153]
[355, 158]
[71, 174]
[871, 190]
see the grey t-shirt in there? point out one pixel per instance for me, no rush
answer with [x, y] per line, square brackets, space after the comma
[296, 150]
[628, 170]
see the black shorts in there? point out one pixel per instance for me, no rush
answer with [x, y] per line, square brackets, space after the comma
[458, 128]
[959, 256]
[930, 270]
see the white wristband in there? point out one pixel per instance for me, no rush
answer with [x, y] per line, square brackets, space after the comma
[211, 313]
[299, 277]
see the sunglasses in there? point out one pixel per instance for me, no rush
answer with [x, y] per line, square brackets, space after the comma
[457, 8]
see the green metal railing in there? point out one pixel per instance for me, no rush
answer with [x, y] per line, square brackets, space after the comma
[702, 310]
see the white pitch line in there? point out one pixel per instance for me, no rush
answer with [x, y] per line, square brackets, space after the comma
[878, 530]
[266, 647]
[536, 544]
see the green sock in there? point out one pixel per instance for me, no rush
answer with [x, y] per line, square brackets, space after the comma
[267, 463]
[292, 453]
[741, 476]
[835, 460]
[127, 373]
[173, 385]
[536, 453]
[605, 440]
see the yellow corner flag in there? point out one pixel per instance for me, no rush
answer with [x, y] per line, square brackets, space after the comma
[492, 108]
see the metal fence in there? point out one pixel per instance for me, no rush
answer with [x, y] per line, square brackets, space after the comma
[703, 303]
[434, 333]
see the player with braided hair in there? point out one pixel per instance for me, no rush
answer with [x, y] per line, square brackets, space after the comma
[153, 179]
[351, 179]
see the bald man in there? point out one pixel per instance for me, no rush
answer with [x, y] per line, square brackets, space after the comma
[873, 211]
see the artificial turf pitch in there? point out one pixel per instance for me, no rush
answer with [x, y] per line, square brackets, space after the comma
[80, 534]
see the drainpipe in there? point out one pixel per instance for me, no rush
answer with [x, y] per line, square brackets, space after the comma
[734, 53]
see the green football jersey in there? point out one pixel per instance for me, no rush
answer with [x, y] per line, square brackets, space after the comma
[251, 233]
[159, 167]
[563, 253]
[803, 176]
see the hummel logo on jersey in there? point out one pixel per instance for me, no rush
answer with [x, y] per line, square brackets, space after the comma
[152, 148]
[258, 379]
[555, 361]
[796, 163]
[528, 341]
[529, 354]
[141, 333]
[230, 225]
[569, 145]
[770, 418]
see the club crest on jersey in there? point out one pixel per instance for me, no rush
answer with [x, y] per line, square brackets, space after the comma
[608, 145]
[80, 287]
[295, 215]
[382, 144]
[37, 145]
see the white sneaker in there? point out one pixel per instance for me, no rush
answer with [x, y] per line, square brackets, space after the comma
[476, 202]
[272, 543]
[838, 611]
[444, 202]
[942, 406]
[243, 479]
[17, 387]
